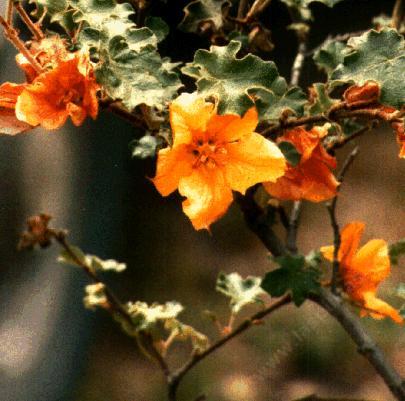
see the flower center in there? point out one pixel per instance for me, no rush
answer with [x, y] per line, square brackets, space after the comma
[208, 153]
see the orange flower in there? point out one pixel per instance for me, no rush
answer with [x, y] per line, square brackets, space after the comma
[67, 90]
[311, 179]
[9, 124]
[362, 270]
[211, 156]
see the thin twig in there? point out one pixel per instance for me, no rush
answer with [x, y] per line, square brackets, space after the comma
[114, 303]
[242, 8]
[11, 35]
[338, 112]
[346, 139]
[292, 231]
[9, 12]
[331, 206]
[34, 28]
[366, 345]
[398, 14]
[298, 62]
[196, 358]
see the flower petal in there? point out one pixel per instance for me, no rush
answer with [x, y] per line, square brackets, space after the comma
[208, 196]
[311, 180]
[349, 241]
[373, 262]
[172, 165]
[251, 160]
[189, 115]
[9, 93]
[232, 127]
[371, 302]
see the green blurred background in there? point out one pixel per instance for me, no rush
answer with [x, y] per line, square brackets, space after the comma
[51, 349]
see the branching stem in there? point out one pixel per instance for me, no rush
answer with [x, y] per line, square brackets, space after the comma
[398, 14]
[11, 34]
[197, 358]
[366, 345]
[33, 27]
[331, 206]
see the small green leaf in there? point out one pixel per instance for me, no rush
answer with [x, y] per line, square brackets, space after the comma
[146, 317]
[292, 276]
[313, 259]
[105, 265]
[375, 56]
[273, 104]
[238, 83]
[53, 6]
[302, 6]
[183, 332]
[330, 55]
[241, 291]
[95, 296]
[199, 11]
[396, 250]
[321, 102]
[144, 147]
[158, 27]
[67, 258]
[290, 152]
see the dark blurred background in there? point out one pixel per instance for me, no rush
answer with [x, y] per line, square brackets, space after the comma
[52, 349]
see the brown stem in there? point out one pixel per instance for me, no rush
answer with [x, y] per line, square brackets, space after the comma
[34, 28]
[122, 112]
[292, 231]
[241, 8]
[196, 358]
[257, 8]
[9, 12]
[398, 14]
[11, 35]
[331, 206]
[256, 220]
[366, 345]
[337, 113]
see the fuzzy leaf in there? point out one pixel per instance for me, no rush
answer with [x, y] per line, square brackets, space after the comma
[320, 101]
[292, 276]
[401, 290]
[397, 250]
[128, 65]
[200, 11]
[241, 291]
[144, 147]
[302, 6]
[158, 27]
[146, 317]
[376, 56]
[92, 261]
[271, 105]
[235, 81]
[105, 265]
[329, 56]
[183, 332]
[95, 296]
[53, 6]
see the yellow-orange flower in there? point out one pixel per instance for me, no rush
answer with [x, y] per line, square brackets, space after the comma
[312, 178]
[211, 156]
[362, 270]
[69, 89]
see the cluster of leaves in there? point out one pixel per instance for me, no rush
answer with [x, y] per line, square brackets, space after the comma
[128, 64]
[297, 275]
